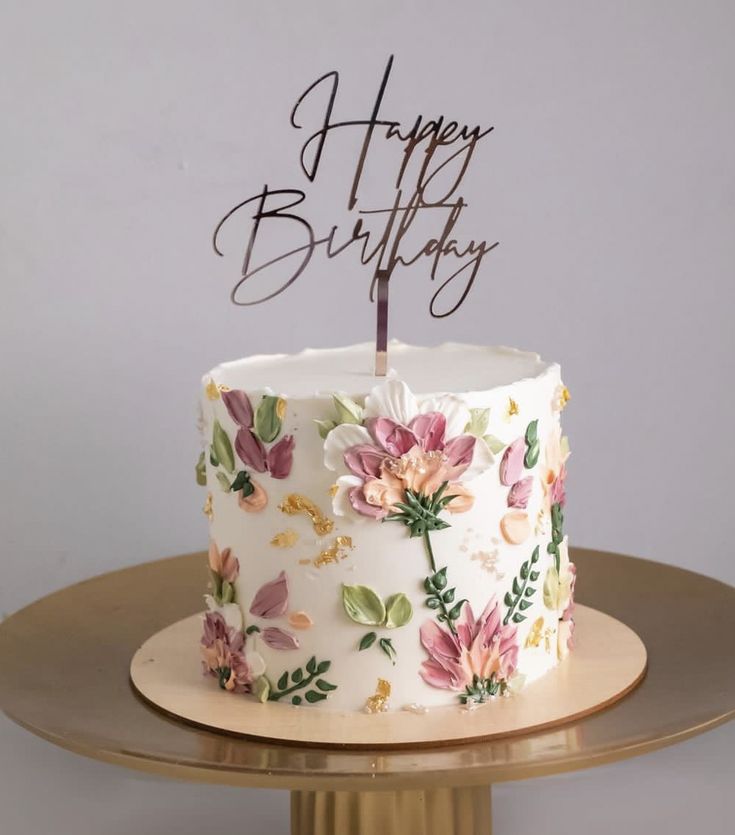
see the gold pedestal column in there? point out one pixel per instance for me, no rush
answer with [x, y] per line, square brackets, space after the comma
[445, 811]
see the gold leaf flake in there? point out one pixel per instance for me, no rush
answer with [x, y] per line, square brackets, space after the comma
[295, 503]
[538, 633]
[280, 408]
[513, 408]
[333, 490]
[305, 562]
[285, 539]
[337, 551]
[378, 703]
[208, 510]
[300, 620]
[211, 390]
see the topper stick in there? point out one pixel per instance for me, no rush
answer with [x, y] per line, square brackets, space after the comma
[381, 337]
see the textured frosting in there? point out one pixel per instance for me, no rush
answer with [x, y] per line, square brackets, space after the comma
[319, 507]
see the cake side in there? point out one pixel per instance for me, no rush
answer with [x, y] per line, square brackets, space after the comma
[386, 546]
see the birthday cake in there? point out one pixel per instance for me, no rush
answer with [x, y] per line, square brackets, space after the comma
[385, 543]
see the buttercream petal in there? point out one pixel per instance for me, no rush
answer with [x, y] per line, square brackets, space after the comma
[392, 399]
[341, 505]
[454, 410]
[256, 663]
[339, 440]
[231, 612]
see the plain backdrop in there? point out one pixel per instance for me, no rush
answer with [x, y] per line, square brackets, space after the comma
[129, 128]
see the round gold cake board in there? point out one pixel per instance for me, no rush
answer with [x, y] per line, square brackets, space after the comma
[65, 676]
[608, 661]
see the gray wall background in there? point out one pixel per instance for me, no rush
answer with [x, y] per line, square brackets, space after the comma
[610, 182]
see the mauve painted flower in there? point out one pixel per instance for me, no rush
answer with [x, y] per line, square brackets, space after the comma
[223, 654]
[280, 457]
[511, 464]
[239, 407]
[224, 563]
[482, 647]
[271, 600]
[404, 445]
[277, 638]
[520, 493]
[250, 450]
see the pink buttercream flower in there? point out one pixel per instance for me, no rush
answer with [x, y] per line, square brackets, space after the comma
[520, 493]
[414, 457]
[277, 638]
[511, 464]
[238, 407]
[224, 563]
[271, 600]
[404, 444]
[482, 647]
[280, 457]
[223, 654]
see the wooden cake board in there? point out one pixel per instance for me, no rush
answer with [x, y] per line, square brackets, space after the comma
[608, 661]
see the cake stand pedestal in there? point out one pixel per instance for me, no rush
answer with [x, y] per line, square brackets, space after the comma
[65, 663]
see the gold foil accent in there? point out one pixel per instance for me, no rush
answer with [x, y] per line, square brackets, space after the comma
[208, 510]
[333, 490]
[281, 408]
[211, 390]
[513, 408]
[285, 539]
[305, 562]
[295, 503]
[337, 551]
[564, 397]
[538, 634]
[378, 703]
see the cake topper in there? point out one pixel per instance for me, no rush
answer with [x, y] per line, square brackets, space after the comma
[433, 158]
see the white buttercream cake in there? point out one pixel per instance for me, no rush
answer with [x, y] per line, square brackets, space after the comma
[385, 543]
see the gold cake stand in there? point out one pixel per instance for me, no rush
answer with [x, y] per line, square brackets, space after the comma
[65, 662]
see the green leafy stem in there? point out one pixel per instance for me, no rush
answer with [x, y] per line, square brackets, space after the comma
[301, 679]
[517, 600]
[557, 533]
[440, 598]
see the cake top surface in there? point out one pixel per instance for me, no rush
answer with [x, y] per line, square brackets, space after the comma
[449, 368]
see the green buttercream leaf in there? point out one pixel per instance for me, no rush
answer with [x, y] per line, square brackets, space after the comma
[216, 584]
[477, 424]
[524, 604]
[495, 445]
[312, 696]
[322, 667]
[518, 617]
[367, 640]
[551, 589]
[532, 432]
[311, 665]
[261, 689]
[201, 470]
[223, 448]
[228, 592]
[386, 644]
[398, 611]
[224, 482]
[296, 700]
[531, 456]
[283, 681]
[347, 410]
[267, 423]
[212, 457]
[325, 427]
[297, 676]
[325, 686]
[363, 605]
